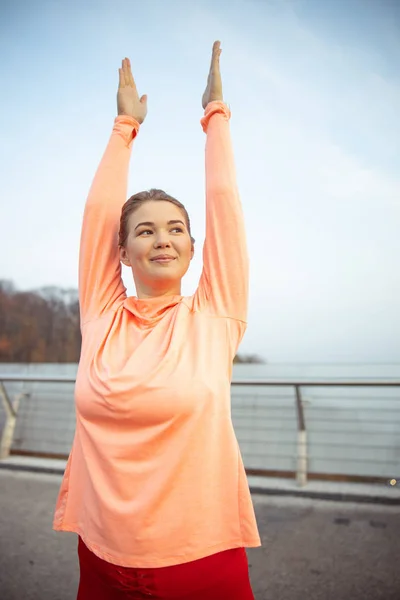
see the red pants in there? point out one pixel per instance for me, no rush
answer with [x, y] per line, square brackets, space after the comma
[221, 576]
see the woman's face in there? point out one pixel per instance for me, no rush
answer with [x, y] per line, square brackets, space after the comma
[158, 248]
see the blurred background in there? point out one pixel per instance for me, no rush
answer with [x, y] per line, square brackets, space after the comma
[314, 90]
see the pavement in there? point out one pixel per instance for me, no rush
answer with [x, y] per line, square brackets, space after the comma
[272, 486]
[313, 548]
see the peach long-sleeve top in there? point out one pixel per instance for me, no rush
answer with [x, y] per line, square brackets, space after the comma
[155, 475]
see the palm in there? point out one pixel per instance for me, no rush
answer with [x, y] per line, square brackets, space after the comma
[213, 90]
[128, 101]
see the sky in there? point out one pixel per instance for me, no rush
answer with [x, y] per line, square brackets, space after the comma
[314, 90]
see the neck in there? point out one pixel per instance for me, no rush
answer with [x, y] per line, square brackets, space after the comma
[145, 293]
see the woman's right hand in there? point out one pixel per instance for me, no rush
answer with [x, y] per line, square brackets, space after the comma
[128, 101]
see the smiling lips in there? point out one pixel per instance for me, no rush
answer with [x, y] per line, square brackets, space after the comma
[163, 258]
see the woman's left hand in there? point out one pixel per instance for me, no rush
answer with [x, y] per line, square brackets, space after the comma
[213, 90]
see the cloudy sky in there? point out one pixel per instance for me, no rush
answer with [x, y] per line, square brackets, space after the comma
[314, 89]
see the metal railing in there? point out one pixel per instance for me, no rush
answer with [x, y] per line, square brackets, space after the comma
[253, 412]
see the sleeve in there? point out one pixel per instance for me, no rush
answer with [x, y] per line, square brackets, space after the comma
[100, 283]
[223, 285]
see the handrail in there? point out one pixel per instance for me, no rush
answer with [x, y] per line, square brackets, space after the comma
[319, 383]
[11, 408]
[245, 382]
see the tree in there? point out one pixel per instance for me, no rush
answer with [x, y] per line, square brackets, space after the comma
[253, 359]
[43, 326]
[39, 325]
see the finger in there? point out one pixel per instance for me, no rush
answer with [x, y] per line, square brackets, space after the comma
[143, 99]
[216, 52]
[128, 74]
[124, 74]
[121, 78]
[216, 66]
[131, 79]
[212, 58]
[126, 70]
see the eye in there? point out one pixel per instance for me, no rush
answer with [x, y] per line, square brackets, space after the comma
[149, 231]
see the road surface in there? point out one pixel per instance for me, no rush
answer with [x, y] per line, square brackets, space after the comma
[312, 549]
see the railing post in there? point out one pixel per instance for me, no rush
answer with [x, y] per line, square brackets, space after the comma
[11, 409]
[301, 471]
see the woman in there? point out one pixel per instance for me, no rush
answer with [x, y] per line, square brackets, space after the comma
[155, 485]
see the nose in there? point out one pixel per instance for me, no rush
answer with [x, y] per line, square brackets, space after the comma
[162, 240]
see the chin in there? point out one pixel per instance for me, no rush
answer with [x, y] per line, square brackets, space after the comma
[168, 271]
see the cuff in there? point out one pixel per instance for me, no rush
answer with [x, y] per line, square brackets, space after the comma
[211, 109]
[127, 127]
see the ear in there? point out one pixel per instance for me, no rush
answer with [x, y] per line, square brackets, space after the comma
[192, 251]
[123, 256]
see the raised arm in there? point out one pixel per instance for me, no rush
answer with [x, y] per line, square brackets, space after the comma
[100, 284]
[223, 285]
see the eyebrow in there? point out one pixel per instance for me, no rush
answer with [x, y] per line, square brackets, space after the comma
[151, 224]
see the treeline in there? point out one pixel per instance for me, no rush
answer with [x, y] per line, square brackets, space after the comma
[42, 326]
[248, 359]
[39, 326]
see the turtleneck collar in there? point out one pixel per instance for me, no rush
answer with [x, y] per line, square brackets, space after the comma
[151, 310]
